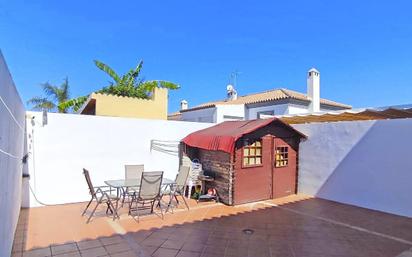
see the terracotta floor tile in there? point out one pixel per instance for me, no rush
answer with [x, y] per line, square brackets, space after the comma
[163, 252]
[149, 250]
[66, 248]
[111, 240]
[17, 247]
[188, 254]
[117, 248]
[41, 252]
[17, 254]
[141, 235]
[71, 254]
[210, 255]
[211, 249]
[153, 242]
[94, 252]
[87, 244]
[405, 254]
[125, 254]
[237, 251]
[193, 246]
[209, 229]
[173, 244]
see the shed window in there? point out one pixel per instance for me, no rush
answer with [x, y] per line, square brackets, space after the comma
[252, 154]
[282, 156]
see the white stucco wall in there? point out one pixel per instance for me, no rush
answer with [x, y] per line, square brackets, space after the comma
[278, 109]
[281, 109]
[227, 112]
[363, 163]
[103, 145]
[201, 115]
[11, 153]
[297, 109]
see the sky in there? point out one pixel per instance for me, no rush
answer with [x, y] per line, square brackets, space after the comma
[363, 49]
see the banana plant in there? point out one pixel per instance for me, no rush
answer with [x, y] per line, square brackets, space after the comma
[129, 84]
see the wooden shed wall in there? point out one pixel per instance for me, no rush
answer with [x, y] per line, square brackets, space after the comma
[218, 164]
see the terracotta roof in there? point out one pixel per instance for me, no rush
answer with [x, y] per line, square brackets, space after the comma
[267, 96]
[174, 116]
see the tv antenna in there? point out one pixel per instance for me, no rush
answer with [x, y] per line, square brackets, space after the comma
[233, 77]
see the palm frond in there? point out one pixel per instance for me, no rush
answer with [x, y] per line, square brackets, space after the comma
[50, 90]
[41, 103]
[65, 90]
[108, 70]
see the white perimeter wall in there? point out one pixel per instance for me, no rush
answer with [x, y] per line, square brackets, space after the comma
[363, 163]
[103, 145]
[11, 142]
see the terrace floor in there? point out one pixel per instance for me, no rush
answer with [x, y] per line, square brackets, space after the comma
[293, 226]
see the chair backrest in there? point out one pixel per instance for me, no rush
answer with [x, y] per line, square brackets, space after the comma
[89, 181]
[133, 171]
[182, 176]
[150, 185]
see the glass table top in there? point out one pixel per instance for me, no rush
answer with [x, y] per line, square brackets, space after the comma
[132, 182]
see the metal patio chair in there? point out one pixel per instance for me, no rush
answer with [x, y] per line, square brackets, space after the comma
[100, 196]
[177, 189]
[132, 172]
[148, 193]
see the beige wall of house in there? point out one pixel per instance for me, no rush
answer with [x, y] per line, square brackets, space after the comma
[118, 106]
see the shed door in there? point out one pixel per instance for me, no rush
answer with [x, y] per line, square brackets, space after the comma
[284, 169]
[253, 182]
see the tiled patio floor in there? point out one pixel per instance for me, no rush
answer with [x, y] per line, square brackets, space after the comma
[293, 226]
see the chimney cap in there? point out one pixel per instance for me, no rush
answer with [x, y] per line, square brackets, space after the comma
[313, 70]
[183, 102]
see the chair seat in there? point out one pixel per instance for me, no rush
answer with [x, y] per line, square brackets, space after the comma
[131, 190]
[113, 197]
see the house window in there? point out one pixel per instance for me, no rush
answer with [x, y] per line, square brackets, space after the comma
[281, 156]
[265, 114]
[252, 154]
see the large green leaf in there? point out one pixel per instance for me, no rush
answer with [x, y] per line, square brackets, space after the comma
[106, 68]
[75, 103]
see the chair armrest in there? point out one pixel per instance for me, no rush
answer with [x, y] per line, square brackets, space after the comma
[103, 189]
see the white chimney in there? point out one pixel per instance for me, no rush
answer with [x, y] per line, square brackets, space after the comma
[313, 83]
[231, 93]
[184, 105]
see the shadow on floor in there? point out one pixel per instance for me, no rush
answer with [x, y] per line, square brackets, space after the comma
[296, 227]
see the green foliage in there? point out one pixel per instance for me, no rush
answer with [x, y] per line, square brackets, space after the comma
[75, 103]
[129, 84]
[54, 97]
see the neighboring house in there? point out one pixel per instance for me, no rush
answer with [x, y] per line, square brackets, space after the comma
[119, 106]
[260, 105]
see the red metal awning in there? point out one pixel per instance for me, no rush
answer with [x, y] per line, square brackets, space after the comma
[223, 136]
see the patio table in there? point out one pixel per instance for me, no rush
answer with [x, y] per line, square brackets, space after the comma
[123, 184]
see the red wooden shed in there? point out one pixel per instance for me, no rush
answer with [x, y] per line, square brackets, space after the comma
[250, 160]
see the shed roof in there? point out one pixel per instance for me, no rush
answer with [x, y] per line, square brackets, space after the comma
[223, 136]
